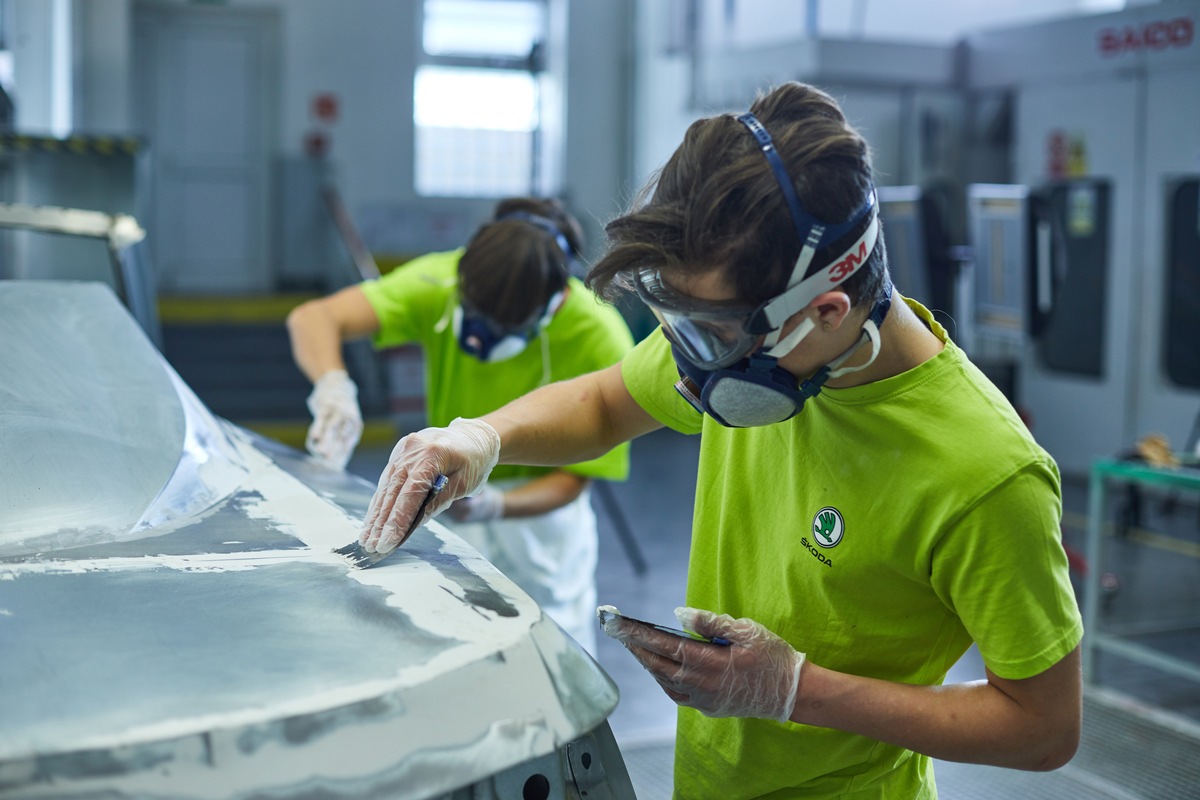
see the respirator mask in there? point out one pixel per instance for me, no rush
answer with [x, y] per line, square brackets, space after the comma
[489, 341]
[724, 371]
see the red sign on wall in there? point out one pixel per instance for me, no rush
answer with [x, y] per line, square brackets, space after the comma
[325, 106]
[1153, 36]
[316, 144]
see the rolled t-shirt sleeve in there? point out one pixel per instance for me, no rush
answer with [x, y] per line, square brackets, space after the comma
[411, 299]
[650, 374]
[1003, 569]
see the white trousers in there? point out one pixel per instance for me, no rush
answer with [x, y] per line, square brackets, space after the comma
[552, 557]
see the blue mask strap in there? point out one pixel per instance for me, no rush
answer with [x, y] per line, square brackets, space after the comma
[880, 311]
[814, 233]
[781, 175]
[547, 225]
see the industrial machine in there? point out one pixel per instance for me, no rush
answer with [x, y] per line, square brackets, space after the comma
[1106, 159]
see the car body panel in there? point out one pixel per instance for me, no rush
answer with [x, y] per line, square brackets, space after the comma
[198, 638]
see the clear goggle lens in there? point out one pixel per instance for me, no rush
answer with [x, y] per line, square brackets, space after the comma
[711, 335]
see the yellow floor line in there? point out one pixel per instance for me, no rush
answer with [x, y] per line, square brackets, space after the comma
[208, 310]
[1162, 542]
[376, 433]
[1075, 521]
[1078, 522]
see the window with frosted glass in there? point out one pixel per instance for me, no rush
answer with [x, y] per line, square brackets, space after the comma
[478, 98]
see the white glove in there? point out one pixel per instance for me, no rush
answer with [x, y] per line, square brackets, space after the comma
[465, 452]
[337, 420]
[756, 675]
[485, 506]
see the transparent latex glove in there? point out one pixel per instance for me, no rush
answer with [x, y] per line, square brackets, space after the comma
[487, 505]
[337, 421]
[756, 675]
[465, 452]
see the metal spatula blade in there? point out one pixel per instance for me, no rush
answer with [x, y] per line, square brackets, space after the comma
[359, 558]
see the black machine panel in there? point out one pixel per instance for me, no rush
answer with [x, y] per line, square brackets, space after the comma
[1069, 260]
[923, 256]
[1181, 353]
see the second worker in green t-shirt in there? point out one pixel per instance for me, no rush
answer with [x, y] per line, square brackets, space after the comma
[495, 320]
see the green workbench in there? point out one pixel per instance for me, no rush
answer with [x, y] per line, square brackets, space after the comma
[1104, 472]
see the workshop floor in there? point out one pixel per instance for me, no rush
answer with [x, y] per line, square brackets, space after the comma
[1141, 727]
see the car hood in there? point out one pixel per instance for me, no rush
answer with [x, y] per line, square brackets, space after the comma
[172, 618]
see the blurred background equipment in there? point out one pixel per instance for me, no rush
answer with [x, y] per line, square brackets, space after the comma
[130, 275]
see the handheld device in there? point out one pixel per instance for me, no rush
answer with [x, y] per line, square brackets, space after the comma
[605, 613]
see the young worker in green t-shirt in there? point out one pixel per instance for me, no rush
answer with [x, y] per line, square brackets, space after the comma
[495, 320]
[868, 505]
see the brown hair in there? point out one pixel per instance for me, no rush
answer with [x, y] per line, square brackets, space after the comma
[716, 203]
[513, 264]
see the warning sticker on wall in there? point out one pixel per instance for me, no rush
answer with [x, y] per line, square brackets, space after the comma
[1066, 155]
[1081, 211]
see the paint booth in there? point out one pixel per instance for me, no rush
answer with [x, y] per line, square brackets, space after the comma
[1087, 263]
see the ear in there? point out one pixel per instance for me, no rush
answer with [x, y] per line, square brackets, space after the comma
[832, 309]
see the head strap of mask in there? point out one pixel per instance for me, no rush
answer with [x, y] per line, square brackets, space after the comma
[549, 226]
[814, 235]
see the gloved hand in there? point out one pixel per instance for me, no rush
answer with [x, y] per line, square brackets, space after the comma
[337, 420]
[465, 452]
[756, 675]
[487, 505]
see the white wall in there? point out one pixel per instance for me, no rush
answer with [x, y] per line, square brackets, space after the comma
[869, 54]
[40, 41]
[599, 97]
[366, 59]
[365, 53]
[662, 93]
[885, 89]
[948, 20]
[627, 102]
[759, 22]
[103, 56]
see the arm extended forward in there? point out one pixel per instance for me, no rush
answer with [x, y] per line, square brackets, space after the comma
[563, 423]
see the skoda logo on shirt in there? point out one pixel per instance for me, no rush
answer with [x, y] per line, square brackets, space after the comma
[828, 527]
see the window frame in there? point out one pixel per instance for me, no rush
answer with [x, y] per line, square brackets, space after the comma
[544, 178]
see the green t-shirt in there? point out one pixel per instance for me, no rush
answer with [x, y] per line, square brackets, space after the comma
[414, 303]
[881, 531]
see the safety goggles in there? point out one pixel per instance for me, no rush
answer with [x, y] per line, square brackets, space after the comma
[493, 330]
[711, 334]
[488, 340]
[530, 327]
